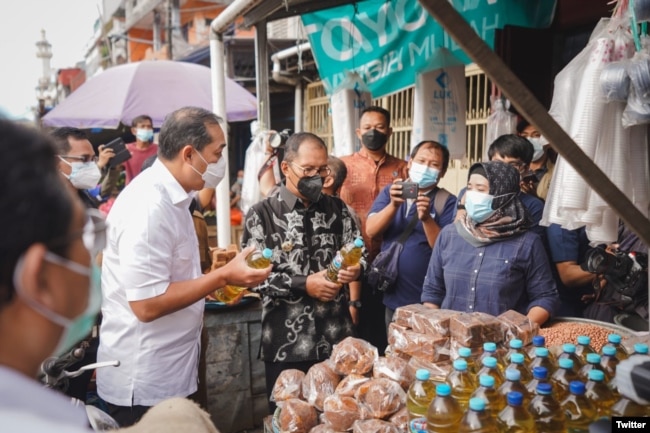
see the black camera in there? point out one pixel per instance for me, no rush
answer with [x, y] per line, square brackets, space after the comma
[279, 139]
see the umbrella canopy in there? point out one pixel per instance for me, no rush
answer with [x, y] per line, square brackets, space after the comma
[152, 87]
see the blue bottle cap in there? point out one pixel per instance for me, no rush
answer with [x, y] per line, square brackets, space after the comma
[569, 348]
[576, 387]
[609, 350]
[358, 242]
[544, 388]
[541, 351]
[513, 374]
[477, 404]
[584, 340]
[486, 380]
[490, 347]
[267, 253]
[540, 372]
[641, 348]
[443, 390]
[596, 375]
[490, 362]
[460, 364]
[593, 358]
[516, 343]
[464, 352]
[515, 398]
[422, 374]
[614, 338]
[517, 358]
[539, 340]
[565, 363]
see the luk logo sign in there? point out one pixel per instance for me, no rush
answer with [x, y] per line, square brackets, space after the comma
[443, 81]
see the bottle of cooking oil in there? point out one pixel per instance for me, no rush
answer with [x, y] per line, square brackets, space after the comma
[583, 348]
[419, 397]
[540, 375]
[599, 393]
[513, 383]
[517, 362]
[477, 419]
[466, 354]
[490, 367]
[593, 363]
[349, 255]
[640, 349]
[609, 361]
[444, 412]
[538, 341]
[462, 383]
[569, 351]
[621, 351]
[579, 410]
[546, 411]
[542, 359]
[515, 417]
[628, 407]
[563, 376]
[231, 294]
[516, 346]
[490, 349]
[494, 401]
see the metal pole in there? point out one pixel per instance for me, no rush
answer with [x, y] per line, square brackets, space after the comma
[262, 75]
[454, 24]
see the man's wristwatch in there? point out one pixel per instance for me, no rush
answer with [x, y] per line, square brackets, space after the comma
[355, 304]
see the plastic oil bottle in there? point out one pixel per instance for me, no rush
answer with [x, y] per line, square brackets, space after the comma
[627, 407]
[563, 376]
[419, 397]
[540, 375]
[578, 409]
[477, 419]
[466, 354]
[615, 340]
[516, 346]
[583, 348]
[593, 363]
[257, 260]
[517, 361]
[640, 349]
[490, 349]
[494, 402]
[538, 341]
[546, 411]
[569, 351]
[542, 359]
[349, 255]
[513, 383]
[515, 417]
[490, 368]
[444, 412]
[609, 361]
[462, 383]
[599, 393]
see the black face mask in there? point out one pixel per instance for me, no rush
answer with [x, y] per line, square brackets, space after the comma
[374, 139]
[311, 187]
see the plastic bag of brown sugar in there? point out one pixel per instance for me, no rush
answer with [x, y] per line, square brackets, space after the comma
[432, 321]
[297, 416]
[353, 356]
[473, 329]
[425, 346]
[340, 412]
[374, 426]
[323, 428]
[517, 325]
[393, 368]
[288, 385]
[401, 419]
[349, 384]
[403, 315]
[319, 383]
[381, 397]
[438, 371]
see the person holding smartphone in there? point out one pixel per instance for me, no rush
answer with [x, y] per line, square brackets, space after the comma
[401, 202]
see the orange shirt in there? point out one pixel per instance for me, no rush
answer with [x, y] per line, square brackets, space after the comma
[363, 183]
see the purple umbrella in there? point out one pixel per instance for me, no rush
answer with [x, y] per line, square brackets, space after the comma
[155, 88]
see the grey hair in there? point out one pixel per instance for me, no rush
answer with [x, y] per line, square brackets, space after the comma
[187, 125]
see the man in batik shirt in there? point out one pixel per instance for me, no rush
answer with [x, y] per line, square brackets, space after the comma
[304, 314]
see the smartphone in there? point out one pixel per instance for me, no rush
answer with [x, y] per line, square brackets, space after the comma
[529, 177]
[409, 189]
[121, 152]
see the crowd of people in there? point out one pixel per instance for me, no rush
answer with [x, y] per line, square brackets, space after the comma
[481, 250]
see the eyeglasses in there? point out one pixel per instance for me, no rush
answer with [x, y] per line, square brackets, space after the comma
[82, 158]
[93, 233]
[309, 172]
[517, 164]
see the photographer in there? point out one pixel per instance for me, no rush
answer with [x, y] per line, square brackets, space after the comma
[394, 210]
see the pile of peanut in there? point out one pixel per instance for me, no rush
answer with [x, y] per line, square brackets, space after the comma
[567, 332]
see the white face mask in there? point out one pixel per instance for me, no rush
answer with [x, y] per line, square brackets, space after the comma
[213, 173]
[83, 175]
[538, 146]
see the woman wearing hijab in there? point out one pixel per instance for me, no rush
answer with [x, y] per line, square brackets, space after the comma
[489, 261]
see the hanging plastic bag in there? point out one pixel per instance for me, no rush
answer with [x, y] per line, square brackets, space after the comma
[615, 82]
[500, 121]
[255, 157]
[440, 103]
[347, 102]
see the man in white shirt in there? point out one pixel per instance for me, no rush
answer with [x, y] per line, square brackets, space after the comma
[153, 289]
[45, 281]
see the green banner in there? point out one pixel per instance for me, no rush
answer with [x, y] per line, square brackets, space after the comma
[388, 41]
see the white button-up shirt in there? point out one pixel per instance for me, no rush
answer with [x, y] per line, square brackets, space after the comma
[151, 243]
